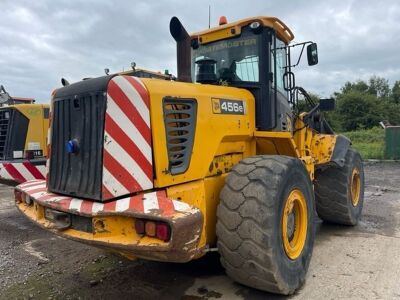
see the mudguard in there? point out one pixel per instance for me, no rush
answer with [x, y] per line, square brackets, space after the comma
[339, 152]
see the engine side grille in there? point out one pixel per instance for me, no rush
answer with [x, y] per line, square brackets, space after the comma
[13, 131]
[5, 116]
[78, 118]
[180, 124]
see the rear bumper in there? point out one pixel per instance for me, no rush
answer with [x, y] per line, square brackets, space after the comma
[117, 230]
[22, 170]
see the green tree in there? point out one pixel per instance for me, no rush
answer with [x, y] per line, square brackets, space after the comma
[357, 110]
[364, 105]
[359, 85]
[396, 92]
[378, 87]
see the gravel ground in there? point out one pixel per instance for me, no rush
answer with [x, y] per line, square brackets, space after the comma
[348, 262]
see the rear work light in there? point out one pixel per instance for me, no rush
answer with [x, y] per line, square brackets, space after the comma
[159, 230]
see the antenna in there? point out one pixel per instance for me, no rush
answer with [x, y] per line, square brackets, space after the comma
[209, 16]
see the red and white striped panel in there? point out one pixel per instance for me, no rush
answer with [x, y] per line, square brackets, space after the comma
[49, 134]
[22, 171]
[127, 156]
[153, 203]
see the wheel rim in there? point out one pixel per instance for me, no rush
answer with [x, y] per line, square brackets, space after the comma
[355, 187]
[294, 224]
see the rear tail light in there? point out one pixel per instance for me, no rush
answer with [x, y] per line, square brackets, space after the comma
[163, 232]
[150, 228]
[18, 196]
[160, 230]
[139, 226]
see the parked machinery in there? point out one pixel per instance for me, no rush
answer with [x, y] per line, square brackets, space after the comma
[221, 159]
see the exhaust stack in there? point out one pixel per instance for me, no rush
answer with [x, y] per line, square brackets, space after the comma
[182, 39]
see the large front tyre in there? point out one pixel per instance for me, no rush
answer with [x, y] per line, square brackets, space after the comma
[265, 225]
[339, 191]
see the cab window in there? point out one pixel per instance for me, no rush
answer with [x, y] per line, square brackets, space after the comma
[280, 64]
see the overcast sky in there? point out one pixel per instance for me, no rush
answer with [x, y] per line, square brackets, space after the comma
[44, 40]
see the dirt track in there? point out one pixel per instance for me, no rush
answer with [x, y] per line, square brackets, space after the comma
[348, 262]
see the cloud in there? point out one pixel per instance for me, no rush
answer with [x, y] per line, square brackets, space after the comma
[42, 41]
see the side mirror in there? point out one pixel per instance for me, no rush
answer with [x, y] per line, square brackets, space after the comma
[312, 54]
[327, 104]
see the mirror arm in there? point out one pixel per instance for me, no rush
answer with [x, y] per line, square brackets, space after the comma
[302, 50]
[301, 54]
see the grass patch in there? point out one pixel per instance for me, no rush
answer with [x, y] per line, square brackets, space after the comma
[369, 142]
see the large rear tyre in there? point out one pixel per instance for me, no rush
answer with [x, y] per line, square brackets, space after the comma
[339, 192]
[265, 223]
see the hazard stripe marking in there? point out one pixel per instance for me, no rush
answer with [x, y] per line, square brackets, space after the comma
[143, 141]
[114, 132]
[30, 183]
[106, 193]
[134, 108]
[140, 88]
[152, 203]
[22, 171]
[112, 184]
[122, 204]
[117, 160]
[87, 207]
[35, 188]
[127, 153]
[110, 206]
[97, 207]
[15, 175]
[36, 173]
[136, 203]
[165, 205]
[75, 204]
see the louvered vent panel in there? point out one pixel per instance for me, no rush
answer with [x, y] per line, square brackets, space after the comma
[5, 116]
[180, 126]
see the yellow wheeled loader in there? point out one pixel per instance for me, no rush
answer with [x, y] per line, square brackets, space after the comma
[220, 158]
[23, 138]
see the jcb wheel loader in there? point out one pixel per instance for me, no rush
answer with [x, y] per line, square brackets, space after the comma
[23, 138]
[220, 158]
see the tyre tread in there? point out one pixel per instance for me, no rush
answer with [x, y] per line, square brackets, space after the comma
[242, 239]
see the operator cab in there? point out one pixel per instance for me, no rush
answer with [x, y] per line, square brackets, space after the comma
[253, 53]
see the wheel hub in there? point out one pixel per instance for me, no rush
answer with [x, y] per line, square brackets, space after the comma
[291, 225]
[294, 224]
[355, 187]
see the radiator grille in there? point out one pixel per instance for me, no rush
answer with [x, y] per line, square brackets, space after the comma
[180, 125]
[78, 118]
[5, 116]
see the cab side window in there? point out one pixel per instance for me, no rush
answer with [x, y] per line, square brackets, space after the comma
[280, 64]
